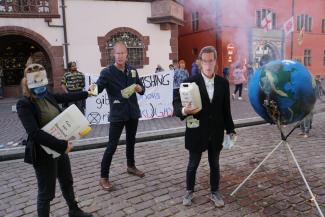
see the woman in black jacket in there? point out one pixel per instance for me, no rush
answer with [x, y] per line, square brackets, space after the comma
[35, 110]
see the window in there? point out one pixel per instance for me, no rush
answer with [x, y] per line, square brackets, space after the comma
[195, 21]
[24, 6]
[307, 57]
[134, 45]
[261, 14]
[304, 21]
[323, 26]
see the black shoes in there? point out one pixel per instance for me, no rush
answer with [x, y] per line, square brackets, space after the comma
[77, 212]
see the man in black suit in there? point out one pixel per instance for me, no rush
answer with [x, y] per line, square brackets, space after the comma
[205, 128]
[124, 110]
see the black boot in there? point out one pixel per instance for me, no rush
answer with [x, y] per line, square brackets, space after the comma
[77, 212]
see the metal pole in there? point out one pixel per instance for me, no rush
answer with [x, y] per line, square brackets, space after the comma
[66, 49]
[243, 182]
[292, 13]
[313, 199]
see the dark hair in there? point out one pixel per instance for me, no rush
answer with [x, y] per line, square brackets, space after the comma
[70, 64]
[208, 49]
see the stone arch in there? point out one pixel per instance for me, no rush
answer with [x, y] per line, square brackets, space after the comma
[102, 43]
[53, 53]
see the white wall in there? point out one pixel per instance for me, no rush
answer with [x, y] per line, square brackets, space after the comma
[88, 19]
[53, 35]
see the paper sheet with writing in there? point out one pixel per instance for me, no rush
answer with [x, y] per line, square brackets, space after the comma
[71, 124]
[127, 92]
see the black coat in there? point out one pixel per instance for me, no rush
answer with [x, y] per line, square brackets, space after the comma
[114, 81]
[214, 117]
[29, 115]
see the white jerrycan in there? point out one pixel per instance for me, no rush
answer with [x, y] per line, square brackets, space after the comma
[190, 93]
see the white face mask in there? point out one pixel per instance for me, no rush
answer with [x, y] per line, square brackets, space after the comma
[37, 79]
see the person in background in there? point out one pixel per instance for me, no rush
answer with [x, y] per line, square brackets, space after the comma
[226, 73]
[249, 72]
[74, 81]
[180, 75]
[239, 80]
[171, 67]
[159, 68]
[306, 125]
[205, 128]
[35, 109]
[195, 67]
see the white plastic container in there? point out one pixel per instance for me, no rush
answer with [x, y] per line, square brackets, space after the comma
[190, 93]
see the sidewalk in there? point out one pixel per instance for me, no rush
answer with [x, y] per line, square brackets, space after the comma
[275, 190]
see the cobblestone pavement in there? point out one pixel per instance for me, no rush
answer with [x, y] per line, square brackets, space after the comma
[275, 190]
[12, 132]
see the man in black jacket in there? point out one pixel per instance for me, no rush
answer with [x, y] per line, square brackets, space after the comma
[124, 110]
[205, 128]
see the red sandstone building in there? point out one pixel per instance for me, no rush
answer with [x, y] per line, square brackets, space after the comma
[234, 27]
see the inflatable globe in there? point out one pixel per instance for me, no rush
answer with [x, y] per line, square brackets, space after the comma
[282, 92]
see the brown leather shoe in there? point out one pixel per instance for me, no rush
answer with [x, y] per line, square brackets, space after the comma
[106, 185]
[135, 171]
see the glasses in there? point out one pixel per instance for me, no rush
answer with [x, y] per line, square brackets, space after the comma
[208, 62]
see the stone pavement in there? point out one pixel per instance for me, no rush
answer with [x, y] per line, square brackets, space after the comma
[275, 190]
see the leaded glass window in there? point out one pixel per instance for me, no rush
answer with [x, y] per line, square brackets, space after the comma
[134, 45]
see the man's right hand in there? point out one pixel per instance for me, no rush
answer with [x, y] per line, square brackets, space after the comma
[69, 147]
[190, 110]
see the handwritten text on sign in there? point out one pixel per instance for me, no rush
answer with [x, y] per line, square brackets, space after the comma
[155, 103]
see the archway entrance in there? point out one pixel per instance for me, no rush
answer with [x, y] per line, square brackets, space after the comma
[265, 53]
[14, 52]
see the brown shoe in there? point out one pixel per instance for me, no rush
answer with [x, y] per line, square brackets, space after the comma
[106, 185]
[135, 171]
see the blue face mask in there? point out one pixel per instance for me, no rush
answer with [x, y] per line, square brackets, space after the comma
[39, 91]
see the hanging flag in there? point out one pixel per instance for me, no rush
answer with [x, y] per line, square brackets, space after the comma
[288, 26]
[301, 36]
[267, 22]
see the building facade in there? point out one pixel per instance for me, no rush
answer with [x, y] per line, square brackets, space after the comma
[55, 32]
[235, 28]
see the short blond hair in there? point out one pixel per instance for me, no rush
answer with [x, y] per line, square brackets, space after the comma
[120, 43]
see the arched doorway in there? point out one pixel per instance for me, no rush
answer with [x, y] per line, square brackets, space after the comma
[49, 55]
[265, 53]
[14, 52]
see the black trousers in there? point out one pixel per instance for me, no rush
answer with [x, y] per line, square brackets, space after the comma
[80, 104]
[46, 174]
[115, 131]
[238, 87]
[194, 161]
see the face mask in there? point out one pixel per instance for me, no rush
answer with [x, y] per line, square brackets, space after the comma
[39, 91]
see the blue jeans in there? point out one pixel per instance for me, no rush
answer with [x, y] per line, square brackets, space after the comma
[194, 161]
[305, 125]
[115, 131]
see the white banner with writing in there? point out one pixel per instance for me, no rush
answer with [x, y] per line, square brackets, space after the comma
[155, 103]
